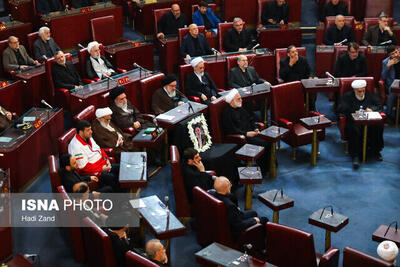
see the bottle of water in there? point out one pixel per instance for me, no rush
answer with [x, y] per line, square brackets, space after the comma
[361, 112]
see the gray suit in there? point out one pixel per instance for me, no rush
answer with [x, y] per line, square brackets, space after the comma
[371, 37]
[39, 49]
[10, 61]
[238, 80]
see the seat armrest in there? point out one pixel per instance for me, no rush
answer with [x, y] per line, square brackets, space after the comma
[285, 123]
[149, 117]
[315, 113]
[280, 80]
[235, 138]
[130, 130]
[109, 151]
[221, 90]
[211, 172]
[87, 81]
[330, 258]
[121, 70]
[195, 98]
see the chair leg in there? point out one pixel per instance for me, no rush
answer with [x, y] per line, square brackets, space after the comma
[346, 148]
[294, 154]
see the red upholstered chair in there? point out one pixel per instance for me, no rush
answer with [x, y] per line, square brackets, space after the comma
[184, 70]
[287, 110]
[182, 32]
[353, 257]
[223, 27]
[329, 21]
[87, 114]
[231, 62]
[31, 39]
[104, 30]
[213, 224]
[369, 22]
[157, 14]
[260, 8]
[148, 86]
[183, 208]
[280, 53]
[98, 247]
[374, 8]
[19, 261]
[135, 260]
[212, 6]
[340, 50]
[287, 246]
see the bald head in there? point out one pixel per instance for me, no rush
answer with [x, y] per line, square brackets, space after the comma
[193, 30]
[339, 21]
[222, 185]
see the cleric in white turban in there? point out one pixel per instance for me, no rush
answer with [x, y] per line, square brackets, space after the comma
[388, 251]
[351, 102]
[97, 65]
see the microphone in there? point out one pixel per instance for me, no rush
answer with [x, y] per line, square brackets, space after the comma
[46, 104]
[137, 65]
[387, 42]
[10, 17]
[215, 50]
[66, 8]
[329, 75]
[44, 57]
[166, 199]
[248, 246]
[20, 125]
[345, 40]
[254, 47]
[81, 46]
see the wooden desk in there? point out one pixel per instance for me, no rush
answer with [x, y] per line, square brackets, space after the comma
[249, 176]
[385, 232]
[273, 38]
[124, 54]
[18, 29]
[315, 123]
[276, 202]
[168, 54]
[160, 221]
[27, 152]
[144, 141]
[220, 255]
[133, 170]
[331, 222]
[11, 97]
[318, 85]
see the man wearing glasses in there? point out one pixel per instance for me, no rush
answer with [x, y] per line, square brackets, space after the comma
[15, 56]
[238, 38]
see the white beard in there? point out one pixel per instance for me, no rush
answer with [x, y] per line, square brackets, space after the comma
[124, 107]
[360, 98]
[107, 126]
[170, 94]
[237, 104]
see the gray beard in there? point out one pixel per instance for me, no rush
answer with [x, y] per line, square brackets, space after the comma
[360, 98]
[122, 106]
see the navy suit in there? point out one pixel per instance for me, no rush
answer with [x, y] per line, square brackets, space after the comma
[188, 46]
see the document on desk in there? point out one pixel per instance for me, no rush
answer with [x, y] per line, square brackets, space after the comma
[165, 117]
[374, 115]
[137, 203]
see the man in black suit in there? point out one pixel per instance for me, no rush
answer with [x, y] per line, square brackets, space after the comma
[194, 173]
[64, 73]
[69, 177]
[238, 38]
[275, 12]
[194, 44]
[336, 34]
[170, 22]
[238, 220]
[44, 47]
[244, 75]
[351, 64]
[199, 83]
[47, 6]
[81, 3]
[333, 8]
[156, 252]
[96, 65]
[381, 33]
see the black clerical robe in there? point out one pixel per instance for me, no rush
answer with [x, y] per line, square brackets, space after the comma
[350, 104]
[300, 70]
[345, 67]
[333, 35]
[193, 177]
[161, 102]
[195, 87]
[169, 25]
[234, 40]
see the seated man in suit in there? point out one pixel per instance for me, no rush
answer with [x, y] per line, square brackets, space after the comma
[69, 177]
[5, 118]
[107, 135]
[236, 120]
[244, 75]
[333, 8]
[338, 33]
[194, 44]
[124, 114]
[351, 102]
[47, 6]
[170, 22]
[98, 66]
[239, 220]
[390, 72]
[166, 97]
[15, 56]
[380, 34]
[238, 38]
[156, 252]
[275, 12]
[81, 3]
[199, 83]
[44, 47]
[194, 173]
[205, 17]
[64, 73]
[351, 64]
[92, 160]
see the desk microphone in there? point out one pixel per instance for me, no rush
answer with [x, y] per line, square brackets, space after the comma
[329, 75]
[66, 9]
[215, 50]
[81, 46]
[166, 199]
[387, 42]
[254, 47]
[345, 40]
[44, 57]
[46, 104]
[137, 65]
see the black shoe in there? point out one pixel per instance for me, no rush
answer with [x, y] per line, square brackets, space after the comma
[378, 156]
[356, 163]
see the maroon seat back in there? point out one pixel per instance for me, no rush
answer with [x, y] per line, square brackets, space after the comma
[55, 94]
[183, 208]
[63, 140]
[135, 260]
[345, 84]
[223, 27]
[374, 8]
[212, 6]
[6, 243]
[98, 245]
[31, 39]
[104, 30]
[83, 55]
[182, 32]
[231, 62]
[340, 50]
[54, 167]
[353, 257]
[211, 218]
[88, 114]
[369, 22]
[148, 86]
[260, 8]
[288, 246]
[157, 14]
[216, 108]
[184, 70]
[280, 53]
[288, 102]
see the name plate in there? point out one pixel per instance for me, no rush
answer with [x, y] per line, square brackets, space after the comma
[3, 27]
[5, 139]
[136, 44]
[283, 27]
[3, 83]
[28, 119]
[37, 124]
[86, 10]
[123, 80]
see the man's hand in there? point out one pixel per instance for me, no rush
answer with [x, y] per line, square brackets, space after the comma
[106, 168]
[392, 62]
[180, 103]
[267, 83]
[199, 165]
[96, 194]
[21, 67]
[136, 125]
[293, 60]
[120, 142]
[213, 98]
[203, 97]
[252, 133]
[9, 116]
[338, 44]
[368, 110]
[78, 86]
[36, 62]
[242, 49]
[94, 178]
[160, 35]
[271, 21]
[188, 56]
[257, 219]
[387, 28]
[282, 22]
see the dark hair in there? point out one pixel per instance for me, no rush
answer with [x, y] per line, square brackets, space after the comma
[289, 47]
[390, 49]
[203, 4]
[81, 125]
[189, 153]
[81, 189]
[352, 45]
[65, 160]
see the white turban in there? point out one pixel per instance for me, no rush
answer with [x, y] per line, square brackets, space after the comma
[229, 96]
[101, 112]
[359, 84]
[388, 251]
[196, 61]
[91, 45]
